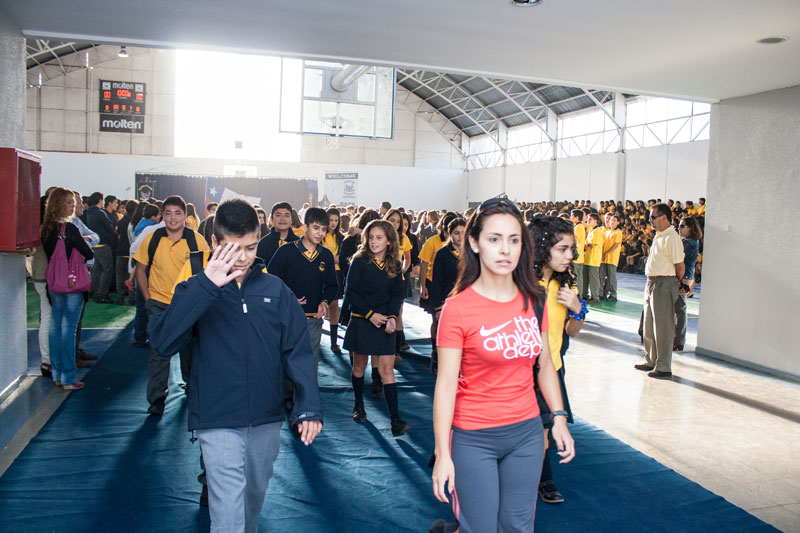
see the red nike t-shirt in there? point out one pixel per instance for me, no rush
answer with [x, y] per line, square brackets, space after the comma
[500, 343]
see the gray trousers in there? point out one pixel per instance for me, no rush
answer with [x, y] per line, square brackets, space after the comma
[659, 322]
[102, 271]
[608, 280]
[158, 364]
[584, 286]
[239, 464]
[498, 470]
[680, 320]
[314, 335]
[593, 273]
[579, 278]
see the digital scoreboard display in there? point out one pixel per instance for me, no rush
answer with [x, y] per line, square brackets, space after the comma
[122, 106]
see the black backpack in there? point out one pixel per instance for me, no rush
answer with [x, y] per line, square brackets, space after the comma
[195, 258]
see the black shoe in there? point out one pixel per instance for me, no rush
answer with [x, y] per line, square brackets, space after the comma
[593, 301]
[335, 349]
[611, 299]
[549, 493]
[677, 348]
[359, 414]
[204, 496]
[644, 368]
[440, 526]
[157, 407]
[400, 427]
[140, 344]
[659, 375]
[47, 370]
[377, 388]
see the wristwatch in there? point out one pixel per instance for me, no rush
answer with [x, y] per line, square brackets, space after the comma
[554, 414]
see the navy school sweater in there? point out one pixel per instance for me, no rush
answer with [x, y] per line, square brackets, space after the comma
[370, 290]
[310, 275]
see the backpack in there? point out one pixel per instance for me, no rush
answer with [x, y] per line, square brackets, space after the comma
[67, 276]
[155, 240]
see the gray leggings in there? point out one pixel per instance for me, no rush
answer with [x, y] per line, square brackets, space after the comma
[497, 474]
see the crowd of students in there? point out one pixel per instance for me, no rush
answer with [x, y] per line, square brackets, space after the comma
[506, 285]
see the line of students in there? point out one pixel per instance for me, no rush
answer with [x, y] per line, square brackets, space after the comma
[374, 290]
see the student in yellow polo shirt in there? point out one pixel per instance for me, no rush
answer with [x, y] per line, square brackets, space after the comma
[594, 253]
[175, 242]
[576, 216]
[612, 247]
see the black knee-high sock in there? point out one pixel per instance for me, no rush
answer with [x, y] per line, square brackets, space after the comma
[334, 332]
[376, 376]
[358, 389]
[547, 471]
[390, 393]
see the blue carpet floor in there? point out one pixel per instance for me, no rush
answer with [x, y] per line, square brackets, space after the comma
[101, 464]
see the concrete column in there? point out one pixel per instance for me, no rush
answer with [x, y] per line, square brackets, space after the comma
[13, 336]
[751, 281]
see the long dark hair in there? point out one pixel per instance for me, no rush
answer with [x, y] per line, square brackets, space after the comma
[390, 256]
[694, 228]
[547, 232]
[469, 268]
[337, 233]
[56, 210]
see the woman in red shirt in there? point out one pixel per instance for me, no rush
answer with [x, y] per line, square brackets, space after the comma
[489, 437]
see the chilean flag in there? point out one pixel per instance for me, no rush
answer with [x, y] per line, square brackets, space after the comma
[217, 192]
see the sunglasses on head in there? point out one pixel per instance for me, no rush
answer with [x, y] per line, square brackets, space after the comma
[499, 200]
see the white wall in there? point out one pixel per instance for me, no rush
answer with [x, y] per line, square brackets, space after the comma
[751, 264]
[415, 188]
[57, 117]
[677, 171]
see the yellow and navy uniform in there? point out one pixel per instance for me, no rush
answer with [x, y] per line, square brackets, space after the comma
[270, 243]
[557, 320]
[405, 246]
[168, 261]
[612, 237]
[332, 241]
[445, 267]
[594, 255]
[192, 222]
[580, 242]
[370, 290]
[428, 252]
[311, 274]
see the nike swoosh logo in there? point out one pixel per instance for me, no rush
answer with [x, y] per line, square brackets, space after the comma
[486, 332]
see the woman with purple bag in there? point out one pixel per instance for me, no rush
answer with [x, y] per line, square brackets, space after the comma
[67, 278]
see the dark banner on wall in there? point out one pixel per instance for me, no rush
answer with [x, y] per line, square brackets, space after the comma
[122, 106]
[200, 190]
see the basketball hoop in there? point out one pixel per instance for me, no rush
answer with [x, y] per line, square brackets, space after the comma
[331, 143]
[335, 123]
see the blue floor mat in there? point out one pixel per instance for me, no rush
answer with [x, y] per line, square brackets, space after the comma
[101, 464]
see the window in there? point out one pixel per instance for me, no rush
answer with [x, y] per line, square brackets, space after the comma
[584, 133]
[660, 121]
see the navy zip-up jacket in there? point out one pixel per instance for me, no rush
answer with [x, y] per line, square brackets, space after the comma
[246, 340]
[270, 243]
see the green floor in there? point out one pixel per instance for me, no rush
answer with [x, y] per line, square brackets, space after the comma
[629, 304]
[96, 315]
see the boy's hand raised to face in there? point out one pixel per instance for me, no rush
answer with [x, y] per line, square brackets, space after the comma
[220, 267]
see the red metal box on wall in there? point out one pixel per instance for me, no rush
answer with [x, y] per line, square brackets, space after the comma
[19, 200]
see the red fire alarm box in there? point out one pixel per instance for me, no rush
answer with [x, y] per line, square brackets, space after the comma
[19, 200]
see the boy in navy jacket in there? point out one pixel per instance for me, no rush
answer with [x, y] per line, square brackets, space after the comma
[309, 269]
[248, 335]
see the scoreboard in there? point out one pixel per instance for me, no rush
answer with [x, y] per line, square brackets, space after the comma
[122, 106]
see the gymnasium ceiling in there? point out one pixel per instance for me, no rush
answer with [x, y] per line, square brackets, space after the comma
[507, 63]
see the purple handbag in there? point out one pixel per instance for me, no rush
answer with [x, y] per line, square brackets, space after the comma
[67, 276]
